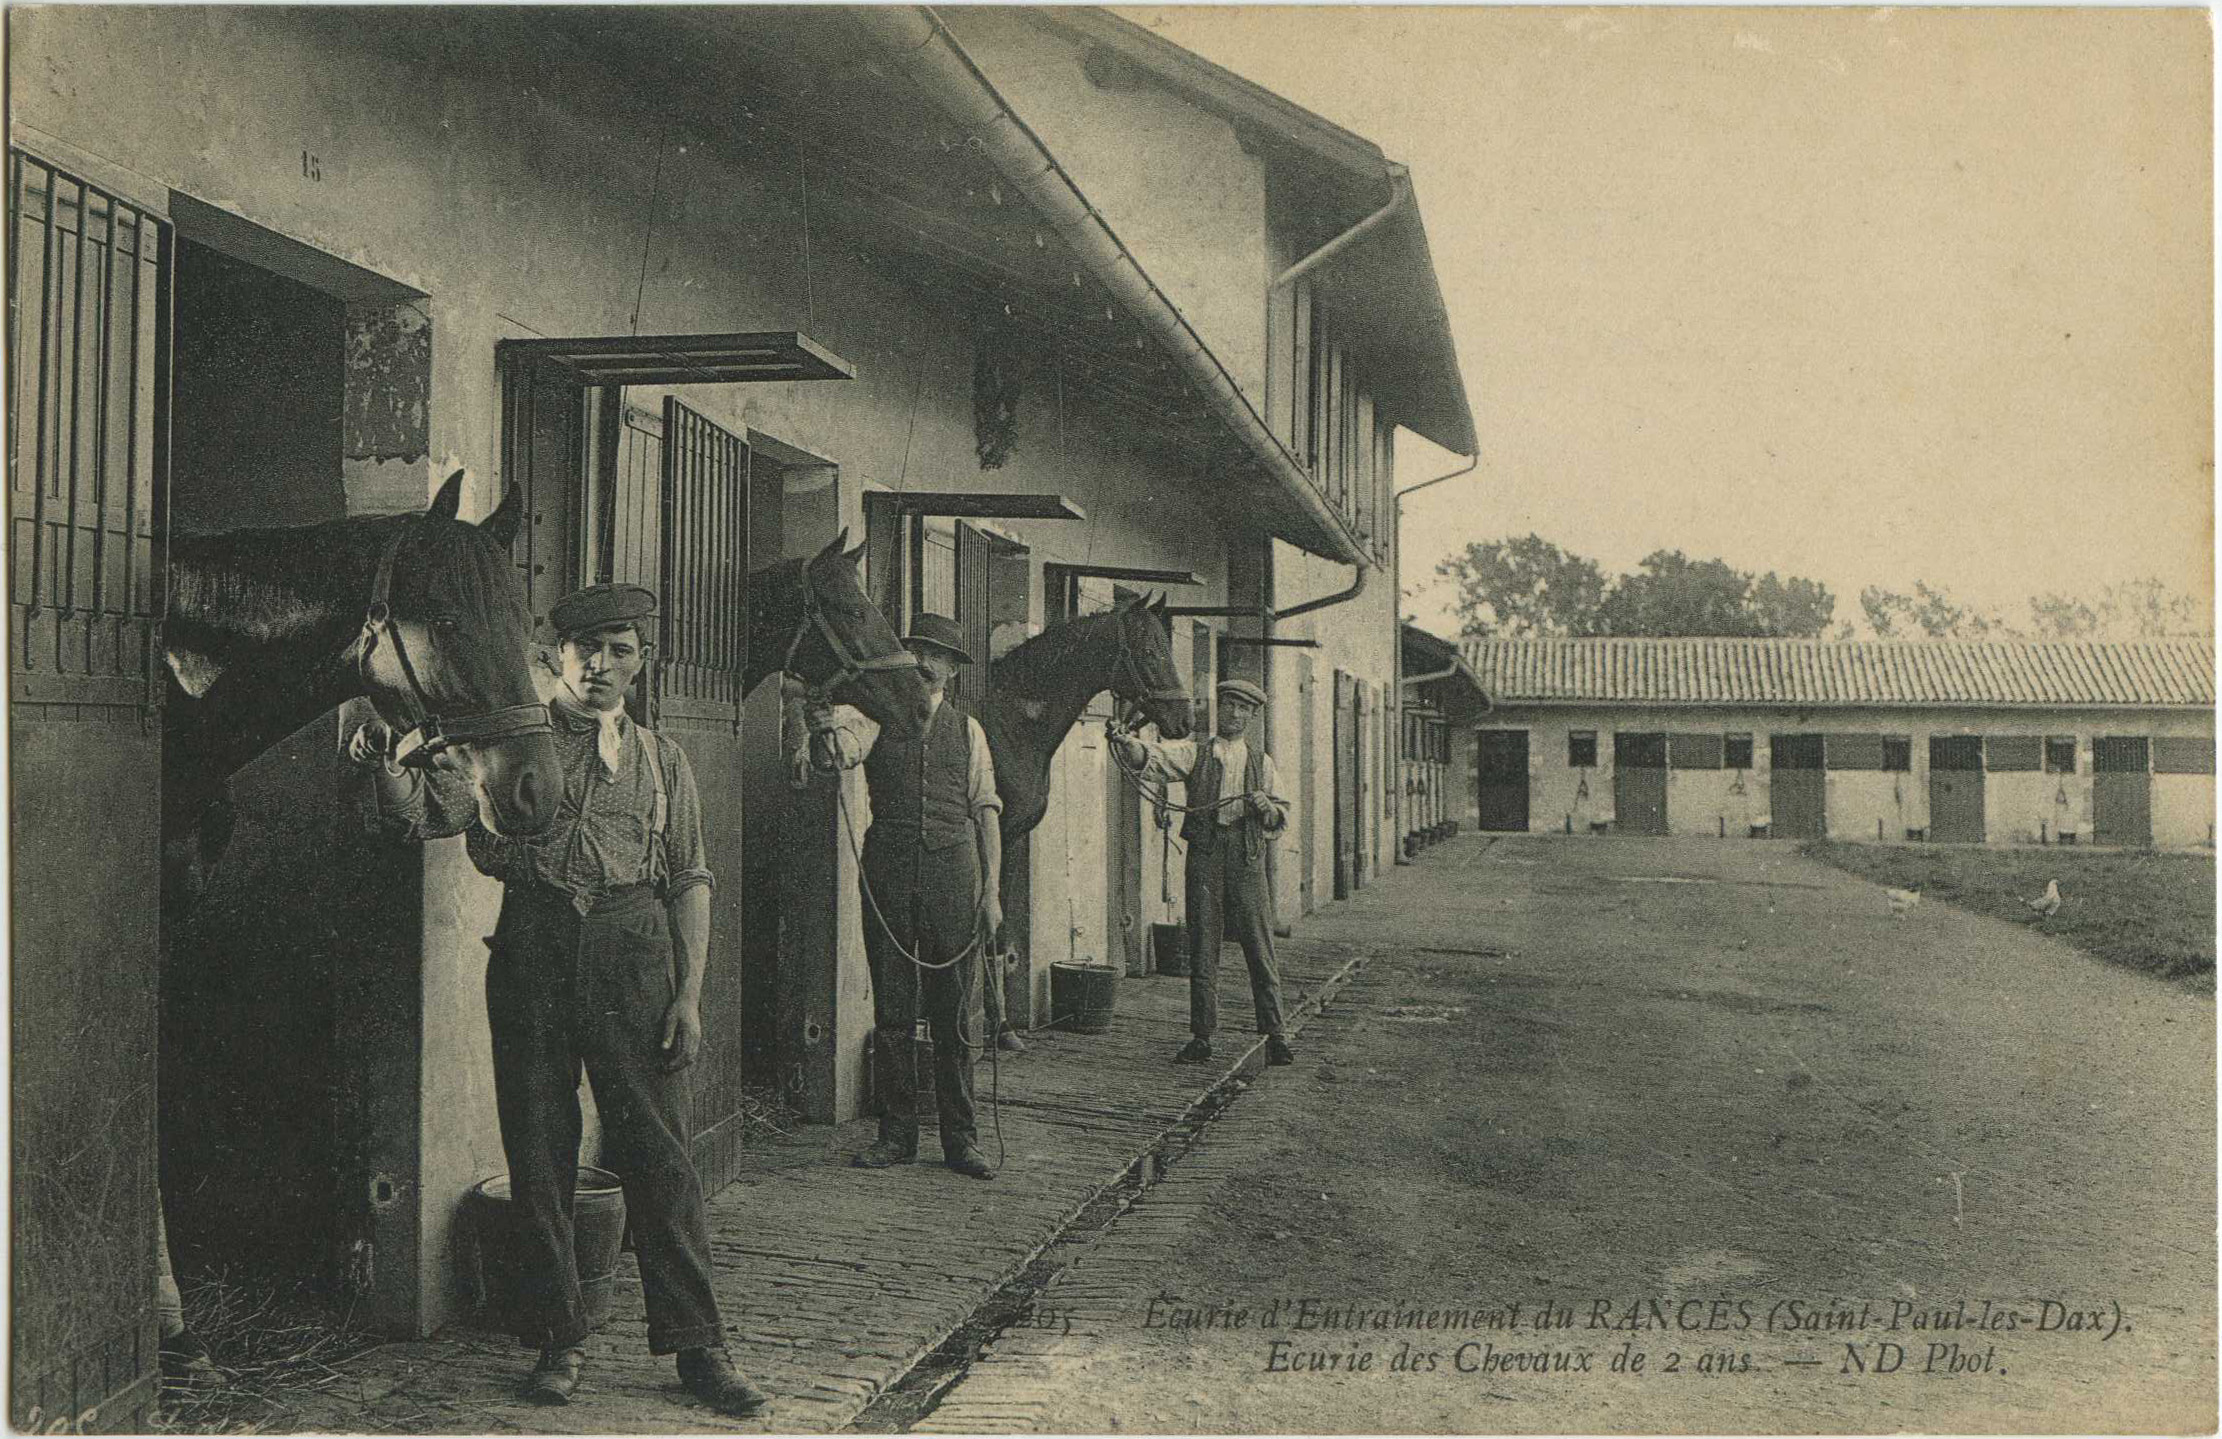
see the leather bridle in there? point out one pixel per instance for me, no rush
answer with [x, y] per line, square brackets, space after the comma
[1133, 668]
[851, 665]
[432, 735]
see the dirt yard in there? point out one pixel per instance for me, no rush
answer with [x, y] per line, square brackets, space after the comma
[1826, 1170]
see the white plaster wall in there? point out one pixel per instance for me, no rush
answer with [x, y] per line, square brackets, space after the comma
[1173, 180]
[2019, 806]
[506, 173]
[2183, 810]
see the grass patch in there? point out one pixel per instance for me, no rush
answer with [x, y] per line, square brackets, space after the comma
[2143, 911]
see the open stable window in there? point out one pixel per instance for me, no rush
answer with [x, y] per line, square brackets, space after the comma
[1736, 751]
[1897, 753]
[2193, 755]
[1581, 749]
[2060, 754]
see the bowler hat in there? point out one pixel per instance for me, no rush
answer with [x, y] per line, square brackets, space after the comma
[600, 606]
[1243, 690]
[939, 631]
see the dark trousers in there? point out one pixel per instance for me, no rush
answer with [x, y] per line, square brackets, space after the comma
[903, 992]
[1227, 900]
[565, 991]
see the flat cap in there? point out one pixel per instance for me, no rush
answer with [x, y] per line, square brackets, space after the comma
[1243, 690]
[939, 631]
[598, 606]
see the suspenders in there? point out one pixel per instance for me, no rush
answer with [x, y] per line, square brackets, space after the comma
[651, 749]
[659, 815]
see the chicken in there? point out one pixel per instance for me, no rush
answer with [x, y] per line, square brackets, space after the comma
[2046, 905]
[1902, 900]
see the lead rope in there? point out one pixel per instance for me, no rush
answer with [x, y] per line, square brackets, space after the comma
[863, 882]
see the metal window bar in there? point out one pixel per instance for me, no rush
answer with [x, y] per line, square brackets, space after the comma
[704, 577]
[86, 475]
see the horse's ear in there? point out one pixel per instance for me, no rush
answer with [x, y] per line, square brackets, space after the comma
[448, 500]
[503, 522]
[833, 546]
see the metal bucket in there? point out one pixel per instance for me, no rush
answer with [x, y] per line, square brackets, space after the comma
[598, 1235]
[1169, 947]
[1082, 997]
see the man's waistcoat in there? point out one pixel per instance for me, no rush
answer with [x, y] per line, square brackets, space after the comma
[1205, 784]
[937, 813]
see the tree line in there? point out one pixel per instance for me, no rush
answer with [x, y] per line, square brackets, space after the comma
[1528, 587]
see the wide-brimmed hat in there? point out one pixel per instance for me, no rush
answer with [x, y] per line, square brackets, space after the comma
[599, 606]
[941, 632]
[1243, 690]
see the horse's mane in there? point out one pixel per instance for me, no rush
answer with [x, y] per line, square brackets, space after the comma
[273, 583]
[1038, 663]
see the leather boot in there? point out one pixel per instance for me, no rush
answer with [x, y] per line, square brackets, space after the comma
[895, 1077]
[556, 1377]
[709, 1374]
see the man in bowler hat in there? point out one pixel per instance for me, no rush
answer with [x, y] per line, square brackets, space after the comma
[1235, 812]
[933, 858]
[584, 972]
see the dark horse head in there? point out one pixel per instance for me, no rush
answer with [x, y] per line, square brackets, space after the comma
[1146, 678]
[811, 618]
[423, 615]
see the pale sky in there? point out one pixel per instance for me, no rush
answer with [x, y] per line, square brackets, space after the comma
[1867, 296]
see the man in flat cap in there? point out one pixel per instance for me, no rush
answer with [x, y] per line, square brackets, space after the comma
[1235, 811]
[584, 972]
[933, 859]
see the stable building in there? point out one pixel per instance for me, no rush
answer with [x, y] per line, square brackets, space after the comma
[1995, 742]
[1443, 701]
[1045, 312]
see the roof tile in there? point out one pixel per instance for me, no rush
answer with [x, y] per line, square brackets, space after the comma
[1871, 672]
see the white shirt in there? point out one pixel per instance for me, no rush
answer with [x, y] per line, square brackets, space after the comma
[1175, 759]
[857, 733]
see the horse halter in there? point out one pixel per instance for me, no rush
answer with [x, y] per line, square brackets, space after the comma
[851, 665]
[432, 736]
[1133, 669]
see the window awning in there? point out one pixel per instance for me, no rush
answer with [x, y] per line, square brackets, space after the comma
[1056, 572]
[978, 505]
[758, 357]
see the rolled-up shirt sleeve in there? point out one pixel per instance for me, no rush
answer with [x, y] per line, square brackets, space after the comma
[684, 855]
[1169, 760]
[432, 804]
[980, 772]
[854, 732]
[1273, 823]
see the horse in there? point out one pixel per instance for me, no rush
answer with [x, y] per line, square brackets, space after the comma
[423, 615]
[1037, 692]
[811, 619]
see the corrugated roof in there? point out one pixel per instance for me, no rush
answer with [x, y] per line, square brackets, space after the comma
[1809, 673]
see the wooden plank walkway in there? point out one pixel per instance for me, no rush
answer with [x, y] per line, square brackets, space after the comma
[833, 1280]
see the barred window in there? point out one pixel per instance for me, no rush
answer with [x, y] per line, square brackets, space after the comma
[1581, 749]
